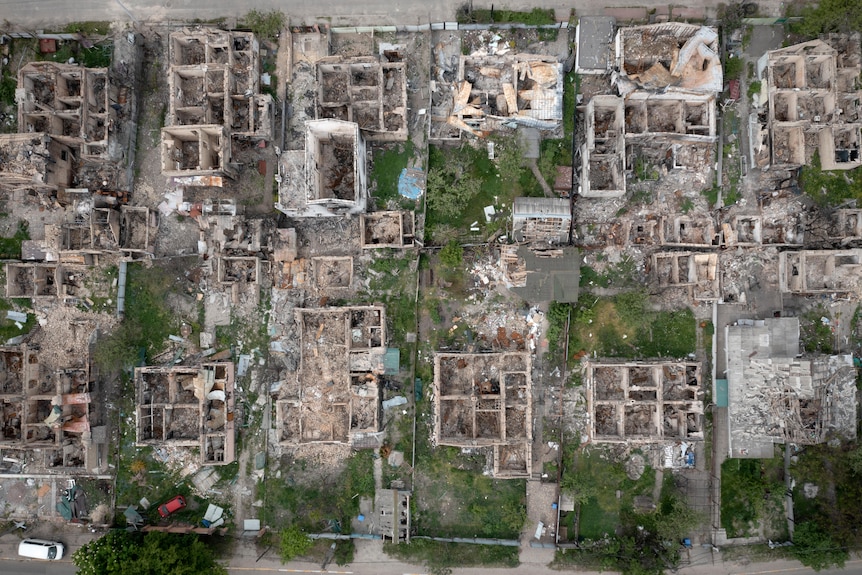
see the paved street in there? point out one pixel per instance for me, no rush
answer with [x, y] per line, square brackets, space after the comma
[34, 13]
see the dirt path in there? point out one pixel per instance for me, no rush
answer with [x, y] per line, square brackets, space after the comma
[549, 193]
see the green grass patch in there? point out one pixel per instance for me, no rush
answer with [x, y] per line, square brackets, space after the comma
[8, 85]
[388, 164]
[600, 514]
[746, 487]
[392, 281]
[438, 556]
[317, 505]
[816, 336]
[830, 188]
[535, 17]
[10, 248]
[624, 326]
[88, 28]
[454, 498]
[8, 329]
[147, 323]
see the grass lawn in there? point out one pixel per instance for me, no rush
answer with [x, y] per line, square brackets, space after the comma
[438, 556]
[455, 499]
[312, 498]
[752, 490]
[601, 514]
[392, 280]
[388, 163]
[623, 326]
[837, 507]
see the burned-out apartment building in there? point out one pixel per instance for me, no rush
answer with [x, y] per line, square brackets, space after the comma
[214, 98]
[644, 402]
[812, 105]
[334, 394]
[188, 406]
[485, 401]
[45, 412]
[329, 176]
[775, 395]
[667, 76]
[370, 91]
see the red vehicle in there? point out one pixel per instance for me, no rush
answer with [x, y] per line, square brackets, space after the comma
[172, 506]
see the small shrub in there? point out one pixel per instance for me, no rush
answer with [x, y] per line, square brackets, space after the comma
[452, 255]
[294, 543]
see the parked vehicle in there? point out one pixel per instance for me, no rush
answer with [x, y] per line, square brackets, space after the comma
[41, 549]
[172, 506]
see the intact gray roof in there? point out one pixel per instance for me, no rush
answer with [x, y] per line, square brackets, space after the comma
[595, 38]
[551, 278]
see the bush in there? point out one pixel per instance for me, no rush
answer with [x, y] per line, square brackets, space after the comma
[8, 84]
[733, 68]
[452, 255]
[294, 543]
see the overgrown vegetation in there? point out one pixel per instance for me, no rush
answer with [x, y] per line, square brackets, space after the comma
[10, 248]
[327, 502]
[439, 557]
[619, 537]
[90, 28]
[266, 25]
[535, 17]
[625, 326]
[148, 320]
[293, 543]
[8, 328]
[834, 513]
[828, 16]
[753, 89]
[816, 334]
[122, 553]
[752, 491]
[462, 181]
[830, 188]
[733, 68]
[8, 85]
[453, 496]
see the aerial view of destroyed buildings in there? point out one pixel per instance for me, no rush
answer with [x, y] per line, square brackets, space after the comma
[530, 285]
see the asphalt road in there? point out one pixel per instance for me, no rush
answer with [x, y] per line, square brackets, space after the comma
[34, 13]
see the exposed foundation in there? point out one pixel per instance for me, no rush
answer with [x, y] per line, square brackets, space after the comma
[367, 91]
[188, 407]
[813, 271]
[386, 230]
[336, 396]
[486, 400]
[644, 402]
[329, 177]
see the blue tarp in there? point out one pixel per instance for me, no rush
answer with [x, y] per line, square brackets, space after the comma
[411, 183]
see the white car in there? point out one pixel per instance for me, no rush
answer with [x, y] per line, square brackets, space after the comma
[41, 549]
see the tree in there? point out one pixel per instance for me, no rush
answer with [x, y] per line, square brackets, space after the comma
[450, 189]
[266, 25]
[156, 552]
[578, 486]
[815, 548]
[294, 542]
[452, 255]
[831, 16]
